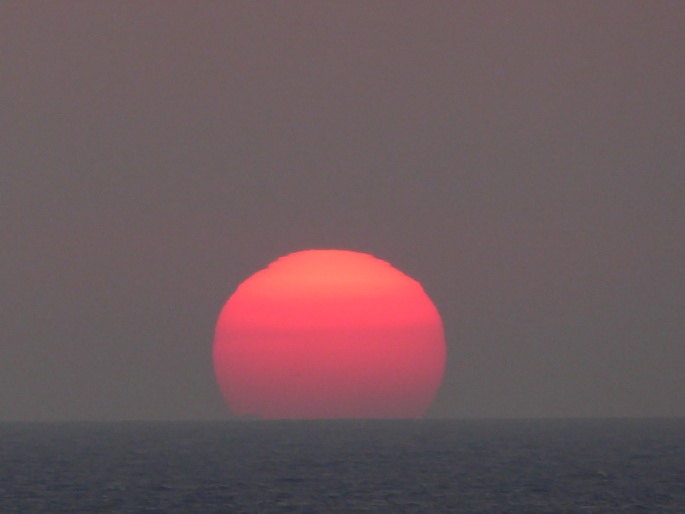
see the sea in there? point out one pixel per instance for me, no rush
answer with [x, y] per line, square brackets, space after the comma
[347, 466]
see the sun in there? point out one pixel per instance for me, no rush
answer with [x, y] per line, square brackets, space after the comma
[329, 334]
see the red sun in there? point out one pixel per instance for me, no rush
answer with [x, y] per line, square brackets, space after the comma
[329, 334]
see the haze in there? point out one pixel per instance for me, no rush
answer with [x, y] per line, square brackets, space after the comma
[522, 160]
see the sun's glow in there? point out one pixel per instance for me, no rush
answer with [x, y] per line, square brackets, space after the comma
[329, 334]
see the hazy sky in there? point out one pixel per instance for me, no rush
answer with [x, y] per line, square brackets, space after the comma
[523, 160]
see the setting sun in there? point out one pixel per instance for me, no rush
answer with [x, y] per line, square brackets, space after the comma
[329, 334]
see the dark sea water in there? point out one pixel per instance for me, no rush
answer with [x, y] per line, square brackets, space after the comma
[345, 466]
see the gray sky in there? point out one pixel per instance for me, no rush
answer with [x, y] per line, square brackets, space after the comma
[523, 160]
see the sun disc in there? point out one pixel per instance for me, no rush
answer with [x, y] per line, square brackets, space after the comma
[329, 334]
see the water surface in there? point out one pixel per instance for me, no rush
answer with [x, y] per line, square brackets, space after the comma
[344, 466]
